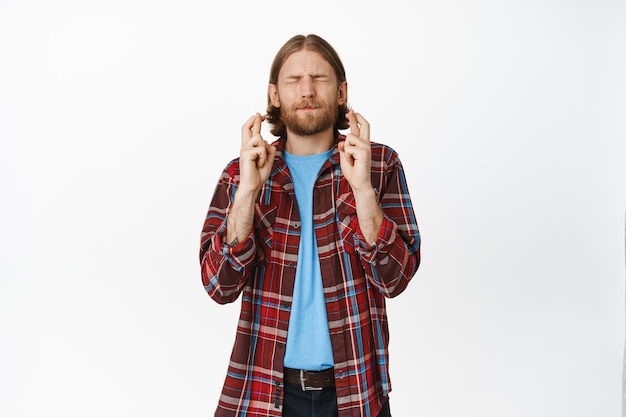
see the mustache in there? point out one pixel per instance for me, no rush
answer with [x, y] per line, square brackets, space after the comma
[313, 104]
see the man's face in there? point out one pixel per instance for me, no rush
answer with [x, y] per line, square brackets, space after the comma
[307, 93]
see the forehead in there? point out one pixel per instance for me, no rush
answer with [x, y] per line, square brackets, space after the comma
[305, 62]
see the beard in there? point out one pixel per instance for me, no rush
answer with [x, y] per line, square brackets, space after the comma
[312, 122]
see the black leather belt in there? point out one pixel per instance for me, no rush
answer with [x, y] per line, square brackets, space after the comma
[310, 380]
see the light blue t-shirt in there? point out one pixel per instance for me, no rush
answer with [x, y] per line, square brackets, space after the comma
[308, 338]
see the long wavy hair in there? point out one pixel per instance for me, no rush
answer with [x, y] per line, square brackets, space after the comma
[310, 43]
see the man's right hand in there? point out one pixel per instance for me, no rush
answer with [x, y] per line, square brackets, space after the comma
[256, 156]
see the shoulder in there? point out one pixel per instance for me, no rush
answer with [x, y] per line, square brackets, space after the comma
[383, 152]
[232, 168]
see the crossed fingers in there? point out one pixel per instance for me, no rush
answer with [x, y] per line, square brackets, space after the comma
[357, 142]
[359, 127]
[251, 127]
[252, 144]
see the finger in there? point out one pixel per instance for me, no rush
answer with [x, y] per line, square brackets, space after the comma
[256, 126]
[347, 150]
[354, 125]
[246, 132]
[364, 127]
[261, 156]
[270, 151]
[267, 155]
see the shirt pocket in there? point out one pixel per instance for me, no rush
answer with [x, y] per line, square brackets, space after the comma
[347, 223]
[265, 217]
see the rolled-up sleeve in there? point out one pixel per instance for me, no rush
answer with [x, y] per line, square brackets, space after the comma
[393, 259]
[224, 269]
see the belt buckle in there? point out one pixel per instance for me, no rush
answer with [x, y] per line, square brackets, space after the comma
[303, 385]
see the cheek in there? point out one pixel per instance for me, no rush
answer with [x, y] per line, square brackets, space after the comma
[285, 97]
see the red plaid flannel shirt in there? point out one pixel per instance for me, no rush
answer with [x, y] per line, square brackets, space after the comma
[356, 278]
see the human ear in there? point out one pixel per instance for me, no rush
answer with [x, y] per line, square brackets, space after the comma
[272, 92]
[342, 93]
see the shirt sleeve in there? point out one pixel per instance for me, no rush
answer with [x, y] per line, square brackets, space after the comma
[394, 258]
[224, 269]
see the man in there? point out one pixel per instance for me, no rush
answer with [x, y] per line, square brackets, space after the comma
[314, 231]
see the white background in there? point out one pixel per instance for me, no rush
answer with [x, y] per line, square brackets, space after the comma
[116, 118]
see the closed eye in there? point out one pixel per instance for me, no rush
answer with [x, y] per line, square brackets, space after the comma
[318, 78]
[292, 79]
[321, 78]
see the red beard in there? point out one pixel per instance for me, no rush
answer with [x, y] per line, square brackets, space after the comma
[310, 122]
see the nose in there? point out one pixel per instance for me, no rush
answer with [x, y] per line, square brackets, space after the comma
[307, 87]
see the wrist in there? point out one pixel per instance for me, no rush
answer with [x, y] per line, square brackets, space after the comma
[365, 195]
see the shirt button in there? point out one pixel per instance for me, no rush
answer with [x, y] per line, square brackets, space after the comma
[296, 225]
[290, 265]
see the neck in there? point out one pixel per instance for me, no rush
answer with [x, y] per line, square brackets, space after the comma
[309, 144]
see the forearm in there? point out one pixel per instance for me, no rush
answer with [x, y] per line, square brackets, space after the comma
[369, 214]
[224, 269]
[240, 217]
[395, 257]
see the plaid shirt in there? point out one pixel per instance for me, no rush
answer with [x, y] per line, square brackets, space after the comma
[356, 278]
